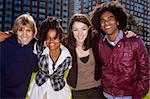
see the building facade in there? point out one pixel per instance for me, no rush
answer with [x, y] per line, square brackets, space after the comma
[140, 9]
[64, 9]
[59, 8]
[39, 9]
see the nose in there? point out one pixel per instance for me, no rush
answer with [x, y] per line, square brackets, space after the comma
[106, 22]
[49, 40]
[79, 32]
[24, 34]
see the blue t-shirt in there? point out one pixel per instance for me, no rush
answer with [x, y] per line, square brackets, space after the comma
[16, 66]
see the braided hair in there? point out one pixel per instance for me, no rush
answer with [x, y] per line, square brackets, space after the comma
[49, 23]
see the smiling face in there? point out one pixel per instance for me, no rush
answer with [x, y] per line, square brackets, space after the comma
[52, 42]
[109, 23]
[80, 32]
[24, 35]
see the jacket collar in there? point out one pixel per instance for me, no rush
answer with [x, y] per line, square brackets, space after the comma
[64, 54]
[119, 37]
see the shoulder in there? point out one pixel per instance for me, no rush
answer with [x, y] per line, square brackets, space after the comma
[101, 40]
[65, 50]
[34, 48]
[136, 41]
[11, 40]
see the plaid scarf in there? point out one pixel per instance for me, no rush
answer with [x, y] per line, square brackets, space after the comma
[57, 77]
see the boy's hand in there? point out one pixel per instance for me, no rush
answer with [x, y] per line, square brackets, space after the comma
[4, 35]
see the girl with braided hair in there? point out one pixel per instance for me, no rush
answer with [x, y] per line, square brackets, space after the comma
[54, 60]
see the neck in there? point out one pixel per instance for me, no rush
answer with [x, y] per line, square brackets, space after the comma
[79, 47]
[113, 36]
[22, 45]
[54, 55]
[79, 44]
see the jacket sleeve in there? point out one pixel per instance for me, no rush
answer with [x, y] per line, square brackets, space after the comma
[143, 65]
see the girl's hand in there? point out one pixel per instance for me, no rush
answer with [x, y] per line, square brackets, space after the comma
[130, 34]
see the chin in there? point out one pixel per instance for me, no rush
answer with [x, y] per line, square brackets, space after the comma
[109, 33]
[25, 43]
[52, 50]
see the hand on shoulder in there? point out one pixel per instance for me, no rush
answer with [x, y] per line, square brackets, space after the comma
[4, 35]
[131, 34]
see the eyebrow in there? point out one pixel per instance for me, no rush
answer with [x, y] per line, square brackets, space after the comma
[108, 17]
[81, 27]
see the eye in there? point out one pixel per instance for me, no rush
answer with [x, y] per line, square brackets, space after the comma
[20, 29]
[102, 21]
[110, 19]
[85, 28]
[56, 37]
[74, 30]
[28, 30]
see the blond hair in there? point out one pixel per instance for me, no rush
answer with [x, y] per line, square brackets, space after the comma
[24, 20]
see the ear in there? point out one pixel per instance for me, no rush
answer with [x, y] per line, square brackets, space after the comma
[45, 45]
[100, 27]
[34, 35]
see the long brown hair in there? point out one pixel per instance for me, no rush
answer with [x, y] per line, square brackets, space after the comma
[71, 40]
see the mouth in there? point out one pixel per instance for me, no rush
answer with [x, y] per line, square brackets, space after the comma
[24, 39]
[107, 27]
[51, 44]
[80, 37]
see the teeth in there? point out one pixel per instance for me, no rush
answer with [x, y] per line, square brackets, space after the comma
[24, 38]
[107, 27]
[79, 37]
[51, 44]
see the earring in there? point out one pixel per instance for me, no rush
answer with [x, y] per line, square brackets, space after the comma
[118, 23]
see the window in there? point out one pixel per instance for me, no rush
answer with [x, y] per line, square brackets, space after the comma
[17, 8]
[41, 16]
[34, 9]
[42, 4]
[26, 2]
[34, 15]
[34, 3]
[17, 2]
[26, 8]
[0, 19]
[41, 10]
